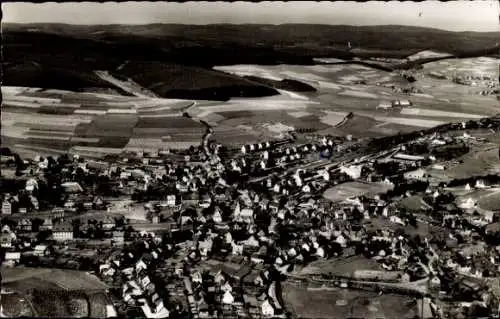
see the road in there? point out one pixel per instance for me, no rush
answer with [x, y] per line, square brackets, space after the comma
[130, 86]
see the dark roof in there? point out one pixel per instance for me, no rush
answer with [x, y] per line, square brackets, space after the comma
[62, 227]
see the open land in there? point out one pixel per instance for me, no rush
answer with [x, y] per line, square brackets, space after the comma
[348, 190]
[339, 267]
[117, 99]
[309, 302]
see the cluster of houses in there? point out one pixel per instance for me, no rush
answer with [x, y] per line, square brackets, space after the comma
[273, 221]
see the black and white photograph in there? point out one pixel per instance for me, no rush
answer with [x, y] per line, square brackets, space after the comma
[293, 160]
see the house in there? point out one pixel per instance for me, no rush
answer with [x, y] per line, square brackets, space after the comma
[42, 250]
[6, 207]
[217, 217]
[62, 231]
[171, 200]
[24, 225]
[6, 239]
[354, 171]
[57, 212]
[246, 214]
[156, 219]
[119, 237]
[419, 175]
[31, 185]
[108, 223]
[384, 105]
[155, 311]
[228, 298]
[12, 258]
[88, 205]
[402, 103]
[70, 206]
[140, 266]
[47, 224]
[267, 309]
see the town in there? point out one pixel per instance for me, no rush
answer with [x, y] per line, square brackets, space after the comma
[243, 231]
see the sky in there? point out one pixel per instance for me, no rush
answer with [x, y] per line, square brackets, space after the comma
[476, 15]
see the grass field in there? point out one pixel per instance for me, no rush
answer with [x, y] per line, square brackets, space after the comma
[339, 266]
[116, 121]
[344, 191]
[477, 162]
[319, 302]
[63, 279]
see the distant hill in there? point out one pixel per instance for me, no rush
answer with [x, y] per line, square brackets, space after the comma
[64, 56]
[388, 37]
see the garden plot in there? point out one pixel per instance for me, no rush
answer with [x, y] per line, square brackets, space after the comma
[344, 191]
[339, 266]
[477, 162]
[299, 114]
[329, 85]
[437, 113]
[359, 94]
[178, 122]
[328, 60]
[250, 70]
[278, 128]
[409, 121]
[12, 90]
[427, 54]
[468, 66]
[333, 118]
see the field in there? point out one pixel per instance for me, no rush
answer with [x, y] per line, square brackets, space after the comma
[44, 292]
[423, 229]
[354, 189]
[488, 200]
[478, 162]
[322, 302]
[339, 267]
[108, 98]
[62, 279]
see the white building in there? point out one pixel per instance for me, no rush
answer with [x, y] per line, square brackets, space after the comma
[418, 174]
[384, 105]
[62, 232]
[469, 203]
[354, 171]
[228, 298]
[6, 207]
[267, 309]
[171, 200]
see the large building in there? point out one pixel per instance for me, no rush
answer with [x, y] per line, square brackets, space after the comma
[62, 231]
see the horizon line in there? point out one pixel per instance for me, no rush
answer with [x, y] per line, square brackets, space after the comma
[242, 24]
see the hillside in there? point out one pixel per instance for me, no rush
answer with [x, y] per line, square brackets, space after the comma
[331, 37]
[36, 75]
[187, 82]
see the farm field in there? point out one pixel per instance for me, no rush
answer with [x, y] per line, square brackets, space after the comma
[477, 162]
[353, 189]
[485, 66]
[58, 120]
[63, 279]
[322, 302]
[338, 266]
[356, 88]
[488, 200]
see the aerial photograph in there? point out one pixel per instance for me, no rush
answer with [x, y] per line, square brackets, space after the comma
[250, 160]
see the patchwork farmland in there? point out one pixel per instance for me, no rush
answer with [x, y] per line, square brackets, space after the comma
[61, 120]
